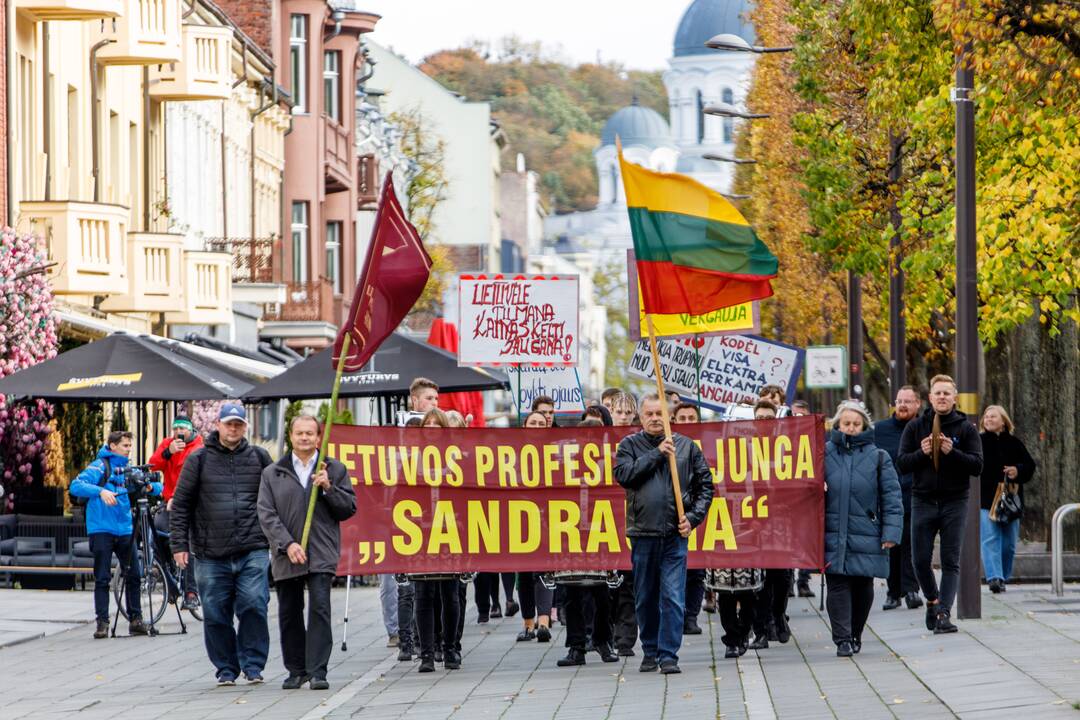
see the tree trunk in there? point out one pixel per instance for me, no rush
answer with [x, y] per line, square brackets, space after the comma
[1037, 379]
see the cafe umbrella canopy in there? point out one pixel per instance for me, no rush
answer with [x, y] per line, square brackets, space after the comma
[123, 367]
[390, 371]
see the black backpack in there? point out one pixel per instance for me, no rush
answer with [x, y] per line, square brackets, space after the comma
[81, 501]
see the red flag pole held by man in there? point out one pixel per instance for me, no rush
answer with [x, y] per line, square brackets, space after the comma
[396, 269]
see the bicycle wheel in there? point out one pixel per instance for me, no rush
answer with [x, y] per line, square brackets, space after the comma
[152, 588]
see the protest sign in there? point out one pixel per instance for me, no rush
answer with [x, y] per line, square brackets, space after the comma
[725, 369]
[826, 366]
[500, 500]
[561, 384]
[737, 319]
[518, 320]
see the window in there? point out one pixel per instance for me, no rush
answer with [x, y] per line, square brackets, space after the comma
[700, 118]
[333, 255]
[729, 123]
[300, 242]
[332, 84]
[614, 184]
[298, 61]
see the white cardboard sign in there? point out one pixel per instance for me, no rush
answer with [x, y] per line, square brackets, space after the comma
[524, 319]
[559, 383]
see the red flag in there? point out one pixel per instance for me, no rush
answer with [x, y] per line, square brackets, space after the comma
[395, 272]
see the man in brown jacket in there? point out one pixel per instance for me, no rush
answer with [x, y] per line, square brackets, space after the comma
[283, 502]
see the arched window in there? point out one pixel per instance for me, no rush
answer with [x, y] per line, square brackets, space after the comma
[700, 118]
[729, 126]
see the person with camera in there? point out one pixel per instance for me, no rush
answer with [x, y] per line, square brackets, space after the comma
[215, 518]
[283, 505]
[109, 527]
[169, 459]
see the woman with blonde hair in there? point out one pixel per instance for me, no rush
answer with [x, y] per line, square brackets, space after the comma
[1007, 466]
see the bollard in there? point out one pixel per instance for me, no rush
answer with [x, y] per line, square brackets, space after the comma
[1057, 555]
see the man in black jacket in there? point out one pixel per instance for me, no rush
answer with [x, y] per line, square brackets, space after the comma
[283, 504]
[216, 502]
[657, 532]
[901, 582]
[941, 449]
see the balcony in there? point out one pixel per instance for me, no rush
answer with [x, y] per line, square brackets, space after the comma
[204, 73]
[339, 149]
[146, 33]
[305, 302]
[49, 10]
[207, 290]
[155, 272]
[85, 240]
[367, 182]
[253, 263]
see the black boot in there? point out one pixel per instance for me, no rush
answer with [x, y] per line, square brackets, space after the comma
[913, 600]
[844, 649]
[607, 653]
[427, 664]
[942, 625]
[691, 627]
[574, 656]
[453, 660]
[891, 603]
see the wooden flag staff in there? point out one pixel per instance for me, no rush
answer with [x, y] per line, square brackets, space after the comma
[676, 486]
[313, 493]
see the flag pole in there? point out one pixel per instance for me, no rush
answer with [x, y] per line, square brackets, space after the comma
[312, 492]
[664, 413]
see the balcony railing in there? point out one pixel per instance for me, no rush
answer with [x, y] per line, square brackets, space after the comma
[155, 274]
[339, 149]
[146, 33]
[367, 181]
[311, 301]
[207, 290]
[253, 259]
[204, 73]
[85, 240]
[48, 10]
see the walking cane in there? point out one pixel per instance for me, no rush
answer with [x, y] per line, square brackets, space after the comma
[345, 630]
[821, 599]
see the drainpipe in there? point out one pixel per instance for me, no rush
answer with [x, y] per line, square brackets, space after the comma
[95, 121]
[9, 110]
[45, 109]
[146, 148]
[224, 177]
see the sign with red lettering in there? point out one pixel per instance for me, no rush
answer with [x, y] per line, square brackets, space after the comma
[514, 320]
[510, 499]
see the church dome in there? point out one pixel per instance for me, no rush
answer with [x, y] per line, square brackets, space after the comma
[637, 125]
[706, 18]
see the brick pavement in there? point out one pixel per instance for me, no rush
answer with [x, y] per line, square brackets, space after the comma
[1022, 660]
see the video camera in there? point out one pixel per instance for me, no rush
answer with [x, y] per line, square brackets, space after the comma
[138, 479]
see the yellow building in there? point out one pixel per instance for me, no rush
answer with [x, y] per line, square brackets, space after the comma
[118, 109]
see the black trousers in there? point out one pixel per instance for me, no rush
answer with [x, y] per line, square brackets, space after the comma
[535, 598]
[929, 519]
[463, 600]
[901, 579]
[406, 608]
[104, 546]
[305, 651]
[849, 601]
[624, 612]
[736, 611]
[449, 597]
[695, 593]
[772, 601]
[486, 590]
[577, 624]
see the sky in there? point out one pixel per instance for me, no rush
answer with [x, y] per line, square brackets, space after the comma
[636, 33]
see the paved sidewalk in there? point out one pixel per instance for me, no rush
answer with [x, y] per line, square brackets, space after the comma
[1022, 660]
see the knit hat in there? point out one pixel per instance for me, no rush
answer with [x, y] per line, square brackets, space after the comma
[184, 422]
[855, 406]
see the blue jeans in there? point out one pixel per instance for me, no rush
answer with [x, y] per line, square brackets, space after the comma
[235, 586]
[998, 546]
[659, 594]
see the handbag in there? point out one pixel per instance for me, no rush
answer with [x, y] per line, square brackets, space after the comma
[1007, 505]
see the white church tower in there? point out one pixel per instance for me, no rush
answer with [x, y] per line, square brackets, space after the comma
[700, 76]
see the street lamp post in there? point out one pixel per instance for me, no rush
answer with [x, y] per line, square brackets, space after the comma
[725, 158]
[856, 386]
[969, 600]
[897, 318]
[734, 43]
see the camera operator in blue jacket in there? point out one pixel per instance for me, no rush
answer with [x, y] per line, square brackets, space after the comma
[109, 527]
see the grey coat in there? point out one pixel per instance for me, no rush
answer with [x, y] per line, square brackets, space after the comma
[283, 508]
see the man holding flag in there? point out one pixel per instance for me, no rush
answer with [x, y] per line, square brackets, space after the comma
[695, 254]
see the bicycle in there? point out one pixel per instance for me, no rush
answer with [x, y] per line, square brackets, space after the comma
[163, 584]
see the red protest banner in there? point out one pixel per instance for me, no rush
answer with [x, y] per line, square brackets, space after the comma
[457, 500]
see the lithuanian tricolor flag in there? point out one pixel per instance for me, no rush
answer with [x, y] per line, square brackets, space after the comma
[695, 252]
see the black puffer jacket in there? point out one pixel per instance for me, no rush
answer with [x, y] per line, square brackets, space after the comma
[645, 473]
[216, 501]
[952, 480]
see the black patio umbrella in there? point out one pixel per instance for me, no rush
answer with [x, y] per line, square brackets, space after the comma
[390, 371]
[124, 367]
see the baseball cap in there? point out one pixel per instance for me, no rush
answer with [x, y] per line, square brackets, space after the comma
[232, 411]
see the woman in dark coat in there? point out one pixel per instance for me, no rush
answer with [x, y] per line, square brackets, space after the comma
[1004, 459]
[864, 516]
